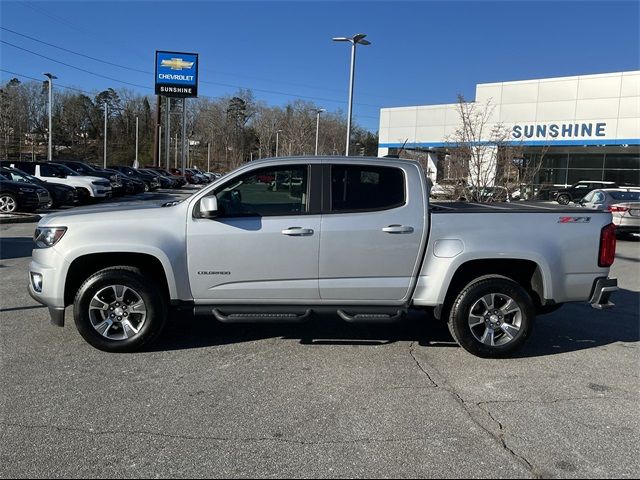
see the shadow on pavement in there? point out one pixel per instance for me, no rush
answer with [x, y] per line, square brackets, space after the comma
[15, 247]
[572, 328]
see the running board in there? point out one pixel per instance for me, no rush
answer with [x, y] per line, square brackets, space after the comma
[255, 317]
[371, 317]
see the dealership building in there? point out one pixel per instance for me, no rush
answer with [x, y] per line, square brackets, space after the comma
[583, 128]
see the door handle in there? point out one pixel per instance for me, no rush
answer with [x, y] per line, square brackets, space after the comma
[297, 232]
[397, 229]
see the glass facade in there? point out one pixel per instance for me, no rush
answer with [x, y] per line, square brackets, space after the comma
[567, 168]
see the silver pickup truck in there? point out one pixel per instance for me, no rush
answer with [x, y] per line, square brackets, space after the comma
[280, 239]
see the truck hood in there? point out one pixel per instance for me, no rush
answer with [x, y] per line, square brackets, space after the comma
[130, 212]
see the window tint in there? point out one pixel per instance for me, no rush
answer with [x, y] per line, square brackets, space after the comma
[628, 196]
[265, 192]
[48, 170]
[355, 187]
[29, 168]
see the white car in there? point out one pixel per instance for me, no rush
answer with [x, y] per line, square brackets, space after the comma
[86, 186]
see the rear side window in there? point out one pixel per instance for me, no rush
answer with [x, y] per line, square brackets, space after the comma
[627, 196]
[365, 188]
[29, 168]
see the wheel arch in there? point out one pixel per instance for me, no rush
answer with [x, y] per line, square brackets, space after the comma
[86, 265]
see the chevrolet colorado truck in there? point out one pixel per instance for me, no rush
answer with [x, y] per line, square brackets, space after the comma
[280, 239]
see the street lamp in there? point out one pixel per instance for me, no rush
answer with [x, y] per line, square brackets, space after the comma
[318, 112]
[277, 140]
[51, 77]
[355, 40]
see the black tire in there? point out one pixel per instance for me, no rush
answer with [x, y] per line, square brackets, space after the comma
[563, 199]
[145, 287]
[459, 324]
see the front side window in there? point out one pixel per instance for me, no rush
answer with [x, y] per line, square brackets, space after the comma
[48, 171]
[365, 187]
[266, 192]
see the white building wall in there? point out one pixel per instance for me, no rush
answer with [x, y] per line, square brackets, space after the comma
[611, 99]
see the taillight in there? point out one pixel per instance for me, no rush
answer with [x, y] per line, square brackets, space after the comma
[607, 246]
[616, 208]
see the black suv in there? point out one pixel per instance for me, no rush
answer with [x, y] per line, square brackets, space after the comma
[21, 197]
[577, 191]
[60, 194]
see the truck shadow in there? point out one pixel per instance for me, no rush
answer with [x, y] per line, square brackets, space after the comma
[15, 247]
[572, 328]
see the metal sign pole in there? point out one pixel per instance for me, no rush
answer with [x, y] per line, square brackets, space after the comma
[167, 133]
[184, 134]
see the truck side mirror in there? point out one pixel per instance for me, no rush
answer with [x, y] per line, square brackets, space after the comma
[209, 207]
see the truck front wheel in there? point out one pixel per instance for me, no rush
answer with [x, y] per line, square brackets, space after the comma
[492, 317]
[118, 309]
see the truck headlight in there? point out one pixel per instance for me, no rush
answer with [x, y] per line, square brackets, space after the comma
[45, 237]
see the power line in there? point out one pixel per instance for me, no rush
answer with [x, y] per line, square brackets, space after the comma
[313, 87]
[41, 80]
[74, 67]
[75, 53]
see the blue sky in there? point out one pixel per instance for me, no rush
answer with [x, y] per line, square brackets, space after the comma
[421, 52]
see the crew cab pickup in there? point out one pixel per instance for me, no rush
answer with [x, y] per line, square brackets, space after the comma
[280, 239]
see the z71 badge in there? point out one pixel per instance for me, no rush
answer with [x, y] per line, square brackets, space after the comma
[574, 220]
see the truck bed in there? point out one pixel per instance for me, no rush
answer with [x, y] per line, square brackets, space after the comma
[506, 207]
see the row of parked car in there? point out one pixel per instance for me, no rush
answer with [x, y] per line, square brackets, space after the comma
[29, 186]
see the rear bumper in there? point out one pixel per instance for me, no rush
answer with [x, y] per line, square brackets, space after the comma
[602, 289]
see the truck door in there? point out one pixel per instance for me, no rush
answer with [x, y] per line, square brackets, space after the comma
[373, 231]
[264, 244]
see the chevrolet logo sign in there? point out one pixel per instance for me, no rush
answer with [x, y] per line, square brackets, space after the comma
[176, 64]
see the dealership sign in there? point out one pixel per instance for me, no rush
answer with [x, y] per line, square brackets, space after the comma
[559, 130]
[176, 74]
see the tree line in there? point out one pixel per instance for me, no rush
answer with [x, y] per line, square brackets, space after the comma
[229, 130]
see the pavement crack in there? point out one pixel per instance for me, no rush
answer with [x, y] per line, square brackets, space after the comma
[473, 410]
[411, 352]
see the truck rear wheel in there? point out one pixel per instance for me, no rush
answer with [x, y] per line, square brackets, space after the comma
[492, 317]
[118, 309]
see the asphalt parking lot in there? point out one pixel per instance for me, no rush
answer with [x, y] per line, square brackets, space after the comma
[323, 399]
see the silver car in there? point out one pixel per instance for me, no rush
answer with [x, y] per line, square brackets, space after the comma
[624, 205]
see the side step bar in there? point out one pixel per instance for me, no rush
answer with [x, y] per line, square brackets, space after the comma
[254, 317]
[370, 317]
[297, 314]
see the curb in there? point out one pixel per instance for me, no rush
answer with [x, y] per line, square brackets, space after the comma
[19, 218]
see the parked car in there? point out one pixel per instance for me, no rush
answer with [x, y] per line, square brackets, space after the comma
[238, 252]
[165, 182]
[181, 181]
[88, 187]
[624, 205]
[21, 197]
[83, 168]
[189, 176]
[577, 191]
[151, 182]
[60, 194]
[132, 186]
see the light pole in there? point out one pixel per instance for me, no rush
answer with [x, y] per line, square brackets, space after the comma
[318, 112]
[355, 40]
[136, 140]
[106, 106]
[277, 140]
[51, 77]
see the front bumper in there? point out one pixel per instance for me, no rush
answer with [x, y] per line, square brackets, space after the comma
[602, 289]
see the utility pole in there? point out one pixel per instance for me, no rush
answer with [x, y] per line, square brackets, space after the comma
[208, 157]
[157, 132]
[175, 152]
